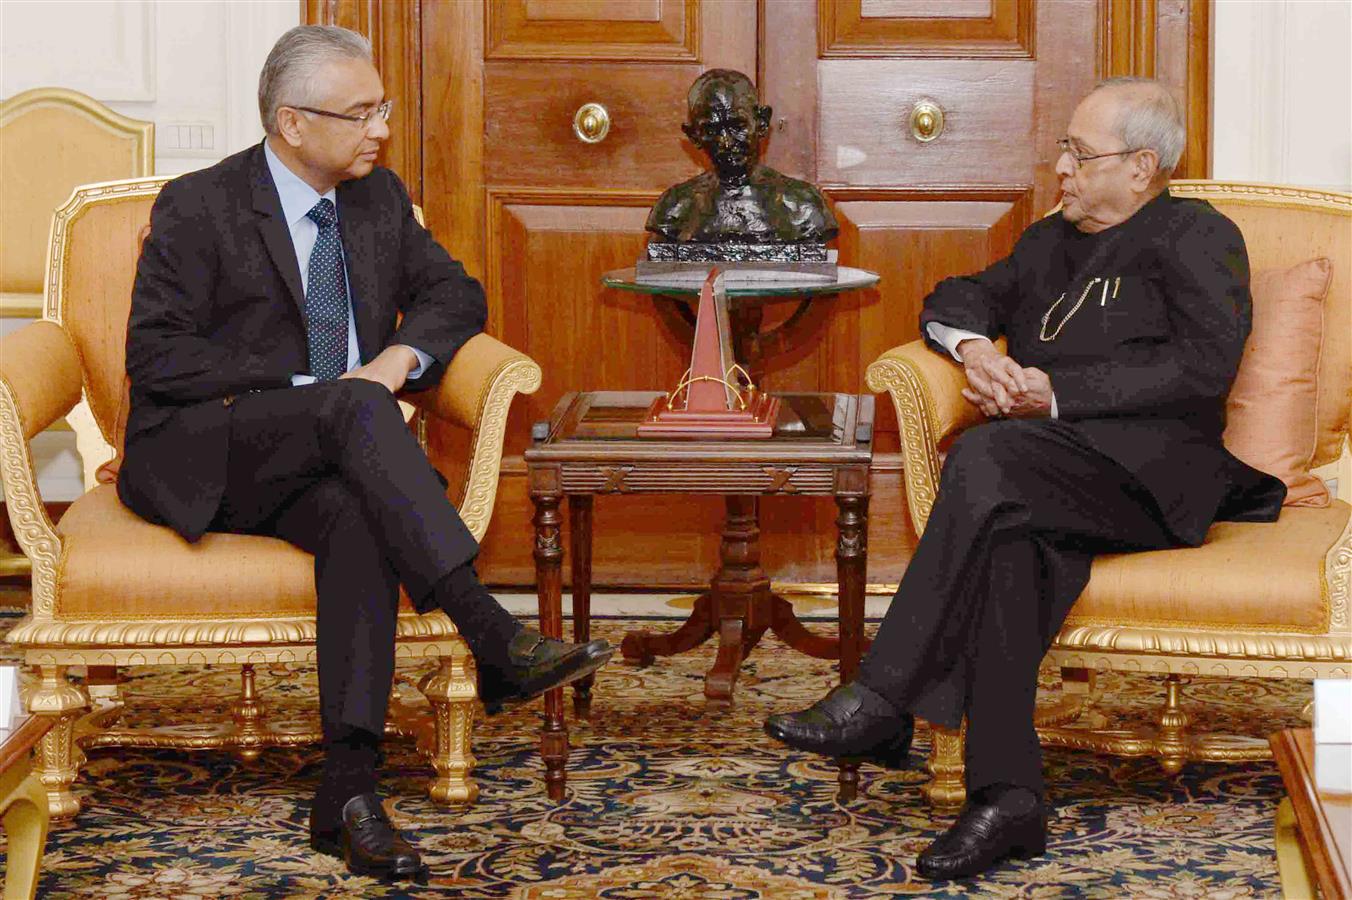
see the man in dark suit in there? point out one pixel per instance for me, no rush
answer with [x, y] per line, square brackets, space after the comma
[264, 354]
[1125, 316]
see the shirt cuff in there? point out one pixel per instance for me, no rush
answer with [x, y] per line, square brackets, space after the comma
[297, 380]
[1054, 415]
[424, 361]
[950, 337]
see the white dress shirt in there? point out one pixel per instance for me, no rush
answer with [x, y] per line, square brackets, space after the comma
[298, 198]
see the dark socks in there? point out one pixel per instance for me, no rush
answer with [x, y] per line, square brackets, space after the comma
[1013, 798]
[486, 627]
[351, 756]
[874, 703]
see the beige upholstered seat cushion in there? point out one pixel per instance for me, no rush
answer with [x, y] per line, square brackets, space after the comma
[1271, 415]
[118, 566]
[1249, 576]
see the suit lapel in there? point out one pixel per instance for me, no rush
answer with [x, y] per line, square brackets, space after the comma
[356, 225]
[272, 226]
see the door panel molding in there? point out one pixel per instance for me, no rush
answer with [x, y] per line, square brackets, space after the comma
[857, 28]
[654, 31]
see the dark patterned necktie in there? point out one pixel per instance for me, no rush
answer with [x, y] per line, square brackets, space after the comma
[326, 297]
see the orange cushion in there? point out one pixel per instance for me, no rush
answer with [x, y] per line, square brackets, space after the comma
[1261, 576]
[116, 565]
[1271, 416]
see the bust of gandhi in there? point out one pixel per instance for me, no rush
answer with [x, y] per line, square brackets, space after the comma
[740, 200]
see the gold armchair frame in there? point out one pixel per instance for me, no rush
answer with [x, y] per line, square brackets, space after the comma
[44, 373]
[926, 392]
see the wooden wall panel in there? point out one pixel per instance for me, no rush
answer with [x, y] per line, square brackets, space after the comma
[548, 250]
[531, 127]
[653, 30]
[865, 135]
[854, 28]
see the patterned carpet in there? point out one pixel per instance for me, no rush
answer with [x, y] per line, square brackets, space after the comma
[666, 801]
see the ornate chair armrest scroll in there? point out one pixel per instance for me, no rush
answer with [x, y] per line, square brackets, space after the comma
[926, 389]
[475, 393]
[40, 381]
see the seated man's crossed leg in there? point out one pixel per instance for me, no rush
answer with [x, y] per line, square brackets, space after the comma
[332, 468]
[1023, 505]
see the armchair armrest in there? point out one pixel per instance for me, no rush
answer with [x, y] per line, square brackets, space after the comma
[40, 381]
[926, 390]
[475, 393]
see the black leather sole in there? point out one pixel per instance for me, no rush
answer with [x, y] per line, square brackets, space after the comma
[331, 846]
[572, 668]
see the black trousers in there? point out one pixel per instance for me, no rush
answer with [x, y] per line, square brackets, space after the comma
[1023, 506]
[333, 469]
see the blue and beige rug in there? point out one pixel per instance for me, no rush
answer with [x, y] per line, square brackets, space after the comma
[667, 801]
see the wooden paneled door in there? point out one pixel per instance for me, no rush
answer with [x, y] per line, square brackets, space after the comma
[538, 213]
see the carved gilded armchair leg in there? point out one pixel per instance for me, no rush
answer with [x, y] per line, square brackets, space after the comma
[947, 787]
[58, 759]
[1171, 743]
[249, 716]
[451, 692]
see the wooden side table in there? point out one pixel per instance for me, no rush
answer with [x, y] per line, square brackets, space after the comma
[23, 806]
[1314, 828]
[822, 446]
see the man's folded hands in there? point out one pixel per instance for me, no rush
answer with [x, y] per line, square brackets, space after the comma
[999, 386]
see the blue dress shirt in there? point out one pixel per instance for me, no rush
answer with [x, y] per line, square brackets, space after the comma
[298, 198]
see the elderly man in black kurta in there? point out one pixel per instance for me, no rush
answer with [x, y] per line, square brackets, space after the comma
[1126, 316]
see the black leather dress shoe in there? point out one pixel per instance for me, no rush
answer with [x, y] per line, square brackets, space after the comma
[368, 843]
[852, 723]
[988, 832]
[535, 664]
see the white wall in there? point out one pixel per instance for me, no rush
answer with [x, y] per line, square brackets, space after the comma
[190, 66]
[1282, 92]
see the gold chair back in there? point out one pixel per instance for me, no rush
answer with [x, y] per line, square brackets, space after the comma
[51, 140]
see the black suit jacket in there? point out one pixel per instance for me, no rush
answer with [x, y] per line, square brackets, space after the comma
[218, 310]
[1143, 369]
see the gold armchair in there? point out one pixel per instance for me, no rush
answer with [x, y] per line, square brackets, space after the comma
[112, 590]
[1255, 600]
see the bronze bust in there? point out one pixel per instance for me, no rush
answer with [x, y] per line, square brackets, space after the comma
[740, 201]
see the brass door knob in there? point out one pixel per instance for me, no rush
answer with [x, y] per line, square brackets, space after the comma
[591, 123]
[927, 121]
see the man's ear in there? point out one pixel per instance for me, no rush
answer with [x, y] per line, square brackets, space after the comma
[763, 114]
[288, 125]
[1145, 167]
[690, 132]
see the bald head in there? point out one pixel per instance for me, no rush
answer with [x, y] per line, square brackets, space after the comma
[1145, 116]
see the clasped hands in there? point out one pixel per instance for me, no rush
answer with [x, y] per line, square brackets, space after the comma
[999, 386]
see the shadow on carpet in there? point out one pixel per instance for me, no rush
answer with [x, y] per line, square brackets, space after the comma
[666, 801]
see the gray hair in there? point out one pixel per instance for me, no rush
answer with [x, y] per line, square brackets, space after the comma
[1150, 119]
[288, 76]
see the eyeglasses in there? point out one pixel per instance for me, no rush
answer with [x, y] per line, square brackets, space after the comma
[382, 111]
[1081, 159]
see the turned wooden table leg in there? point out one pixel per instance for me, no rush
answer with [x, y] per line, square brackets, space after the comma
[549, 585]
[580, 554]
[741, 597]
[851, 571]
